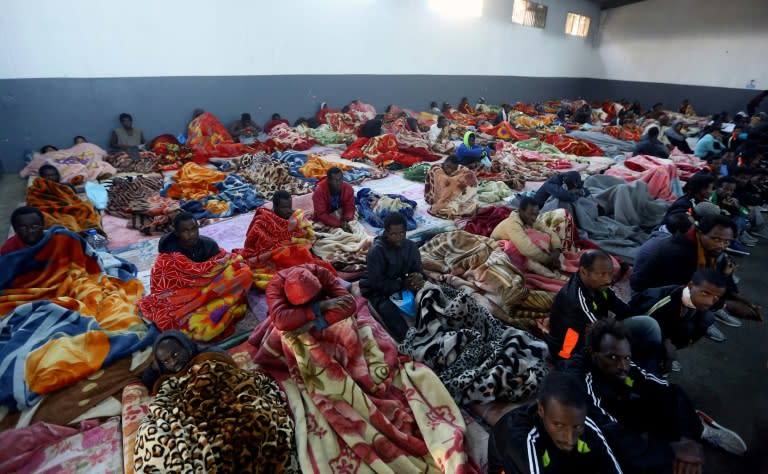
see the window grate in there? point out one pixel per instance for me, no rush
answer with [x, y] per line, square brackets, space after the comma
[527, 13]
[577, 25]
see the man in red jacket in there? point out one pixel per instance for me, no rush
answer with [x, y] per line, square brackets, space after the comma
[334, 201]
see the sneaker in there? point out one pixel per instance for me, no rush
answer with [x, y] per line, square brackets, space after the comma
[737, 249]
[763, 234]
[752, 236]
[744, 240]
[715, 334]
[676, 366]
[721, 437]
[727, 318]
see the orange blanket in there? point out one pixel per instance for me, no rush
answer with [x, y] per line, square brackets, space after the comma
[61, 206]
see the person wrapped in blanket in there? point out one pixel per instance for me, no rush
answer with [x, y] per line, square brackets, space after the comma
[533, 243]
[277, 239]
[393, 265]
[28, 226]
[334, 201]
[563, 187]
[60, 204]
[199, 391]
[451, 189]
[355, 400]
[470, 154]
[196, 286]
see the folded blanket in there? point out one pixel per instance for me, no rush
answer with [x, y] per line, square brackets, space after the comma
[215, 417]
[77, 319]
[203, 300]
[477, 357]
[475, 263]
[61, 206]
[374, 208]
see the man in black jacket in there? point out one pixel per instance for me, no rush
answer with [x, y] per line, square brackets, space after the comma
[587, 298]
[650, 144]
[683, 312]
[699, 188]
[651, 425]
[393, 264]
[554, 435]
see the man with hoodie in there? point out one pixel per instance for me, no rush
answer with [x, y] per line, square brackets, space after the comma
[469, 154]
[650, 144]
[334, 201]
[566, 187]
[393, 265]
[675, 136]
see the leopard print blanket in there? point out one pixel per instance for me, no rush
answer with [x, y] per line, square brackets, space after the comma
[476, 356]
[216, 417]
[270, 175]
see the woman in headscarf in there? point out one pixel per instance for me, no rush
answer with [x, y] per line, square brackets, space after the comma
[469, 154]
[356, 401]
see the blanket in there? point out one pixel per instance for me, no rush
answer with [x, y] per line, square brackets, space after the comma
[630, 204]
[451, 196]
[493, 191]
[486, 219]
[61, 206]
[216, 417]
[477, 357]
[270, 175]
[83, 162]
[63, 319]
[573, 146]
[326, 136]
[291, 138]
[193, 182]
[346, 251]
[374, 207]
[148, 162]
[273, 243]
[610, 145]
[475, 263]
[170, 153]
[203, 300]
[316, 168]
[504, 131]
[357, 405]
[658, 173]
[125, 192]
[208, 138]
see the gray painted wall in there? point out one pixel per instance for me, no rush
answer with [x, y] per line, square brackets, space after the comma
[705, 100]
[36, 112]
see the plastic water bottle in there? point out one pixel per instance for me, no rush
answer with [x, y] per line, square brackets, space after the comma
[97, 241]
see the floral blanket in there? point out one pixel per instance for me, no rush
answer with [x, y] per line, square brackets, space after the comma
[83, 162]
[346, 251]
[374, 207]
[61, 206]
[451, 196]
[358, 406]
[476, 356]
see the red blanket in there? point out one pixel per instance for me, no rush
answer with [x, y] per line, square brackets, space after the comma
[573, 146]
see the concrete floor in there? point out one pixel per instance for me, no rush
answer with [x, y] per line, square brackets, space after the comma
[727, 380]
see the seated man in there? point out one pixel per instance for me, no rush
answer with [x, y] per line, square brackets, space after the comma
[731, 207]
[566, 187]
[650, 144]
[171, 352]
[278, 238]
[334, 201]
[651, 425]
[698, 189]
[126, 137]
[435, 131]
[393, 265]
[554, 435]
[676, 137]
[518, 227]
[683, 312]
[470, 154]
[710, 143]
[28, 227]
[450, 189]
[586, 298]
[244, 130]
[195, 286]
[274, 122]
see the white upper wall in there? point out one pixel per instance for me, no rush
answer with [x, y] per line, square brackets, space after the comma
[98, 38]
[698, 42]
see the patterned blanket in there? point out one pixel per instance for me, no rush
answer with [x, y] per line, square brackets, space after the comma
[194, 182]
[344, 250]
[208, 138]
[358, 406]
[137, 199]
[479, 359]
[83, 162]
[216, 417]
[148, 162]
[61, 206]
[475, 263]
[203, 300]
[63, 319]
[451, 196]
[374, 207]
[273, 243]
[291, 138]
[270, 175]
